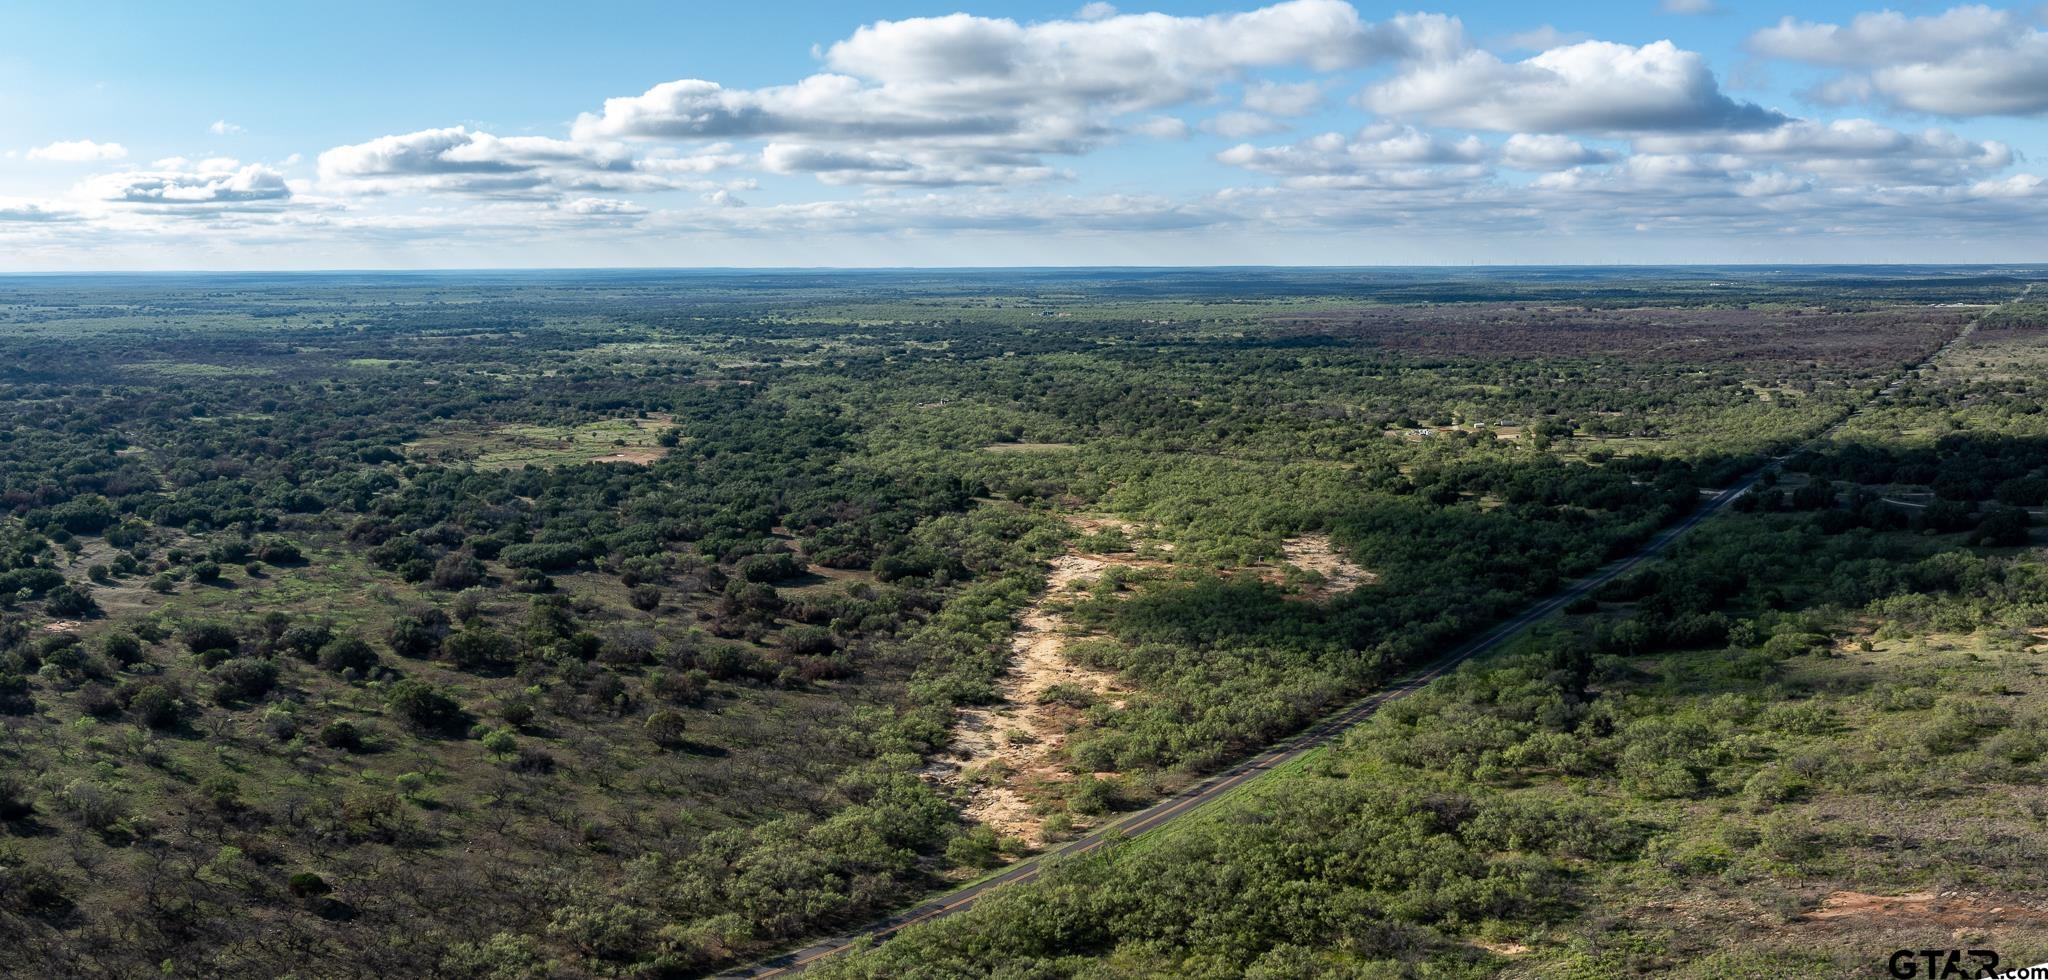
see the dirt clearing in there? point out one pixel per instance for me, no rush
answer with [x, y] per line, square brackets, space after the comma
[638, 457]
[1947, 910]
[1005, 752]
[1329, 572]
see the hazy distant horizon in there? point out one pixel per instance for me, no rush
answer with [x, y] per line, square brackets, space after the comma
[985, 269]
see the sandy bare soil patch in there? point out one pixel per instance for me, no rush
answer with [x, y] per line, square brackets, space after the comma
[1314, 553]
[1948, 910]
[1026, 447]
[1004, 752]
[638, 457]
[1097, 523]
[1132, 532]
[1007, 755]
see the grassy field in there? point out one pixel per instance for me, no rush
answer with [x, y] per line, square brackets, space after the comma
[632, 441]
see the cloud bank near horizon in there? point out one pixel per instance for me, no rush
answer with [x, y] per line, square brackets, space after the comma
[984, 129]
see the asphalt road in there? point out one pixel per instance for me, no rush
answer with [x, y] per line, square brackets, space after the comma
[1322, 733]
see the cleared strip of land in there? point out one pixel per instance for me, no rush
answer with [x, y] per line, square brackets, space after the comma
[1289, 750]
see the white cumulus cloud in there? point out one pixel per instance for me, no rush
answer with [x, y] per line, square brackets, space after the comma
[1967, 61]
[1374, 148]
[969, 86]
[1595, 87]
[1283, 98]
[1549, 151]
[1239, 125]
[211, 186]
[78, 151]
[468, 161]
[1162, 128]
[1850, 147]
[963, 129]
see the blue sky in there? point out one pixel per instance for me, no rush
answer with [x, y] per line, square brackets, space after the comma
[387, 135]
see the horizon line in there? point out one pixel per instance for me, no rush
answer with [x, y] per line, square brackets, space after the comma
[472, 270]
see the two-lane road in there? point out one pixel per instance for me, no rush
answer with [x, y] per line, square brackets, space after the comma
[1318, 735]
[1322, 733]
